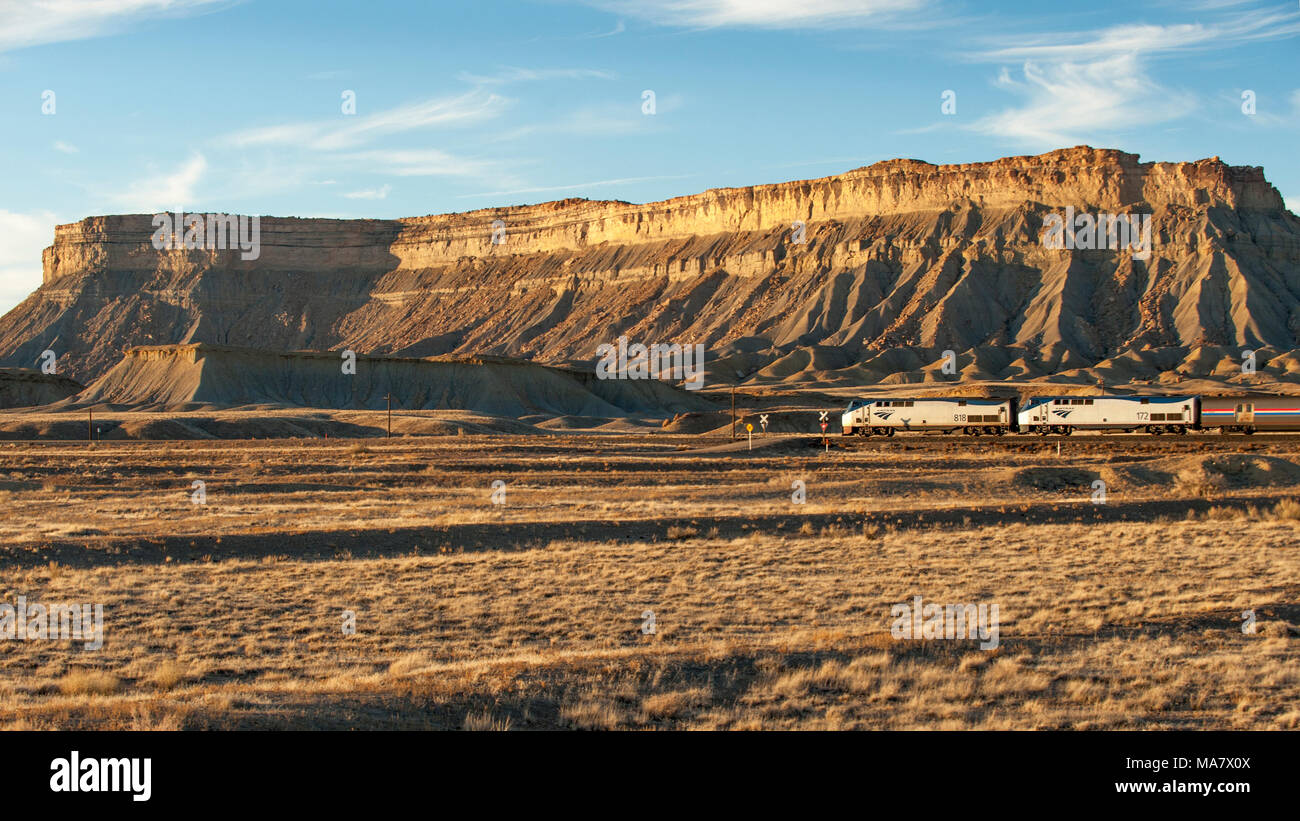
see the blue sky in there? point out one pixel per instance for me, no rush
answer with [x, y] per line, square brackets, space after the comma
[213, 105]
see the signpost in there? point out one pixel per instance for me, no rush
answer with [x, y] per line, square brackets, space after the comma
[749, 427]
[825, 439]
[762, 420]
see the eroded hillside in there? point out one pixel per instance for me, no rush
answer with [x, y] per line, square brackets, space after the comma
[899, 261]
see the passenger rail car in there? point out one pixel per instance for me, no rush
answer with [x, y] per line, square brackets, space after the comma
[1152, 414]
[883, 417]
[1249, 413]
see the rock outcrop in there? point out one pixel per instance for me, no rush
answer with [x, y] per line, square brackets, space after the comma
[869, 273]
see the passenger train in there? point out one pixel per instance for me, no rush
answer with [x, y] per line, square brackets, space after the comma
[1064, 415]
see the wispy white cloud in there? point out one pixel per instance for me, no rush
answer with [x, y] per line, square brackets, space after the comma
[511, 74]
[779, 14]
[1070, 103]
[380, 193]
[166, 190]
[26, 23]
[1088, 87]
[421, 162]
[618, 29]
[1235, 29]
[609, 120]
[22, 239]
[350, 131]
[66, 148]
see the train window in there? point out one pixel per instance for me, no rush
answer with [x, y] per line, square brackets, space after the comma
[1087, 401]
[910, 404]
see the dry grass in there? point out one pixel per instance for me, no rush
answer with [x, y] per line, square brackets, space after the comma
[89, 682]
[485, 721]
[169, 674]
[530, 618]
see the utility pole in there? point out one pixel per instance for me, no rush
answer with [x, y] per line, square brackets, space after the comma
[389, 397]
[90, 426]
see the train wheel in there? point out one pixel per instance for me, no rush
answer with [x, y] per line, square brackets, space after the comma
[1154, 430]
[1043, 430]
[991, 431]
[1067, 429]
[1249, 430]
[1181, 430]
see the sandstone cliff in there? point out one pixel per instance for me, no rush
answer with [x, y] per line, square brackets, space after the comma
[902, 260]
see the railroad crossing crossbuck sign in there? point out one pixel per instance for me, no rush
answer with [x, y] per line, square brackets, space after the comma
[762, 420]
[823, 420]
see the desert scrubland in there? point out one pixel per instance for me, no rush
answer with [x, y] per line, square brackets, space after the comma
[530, 609]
